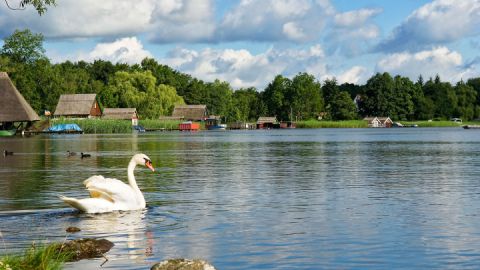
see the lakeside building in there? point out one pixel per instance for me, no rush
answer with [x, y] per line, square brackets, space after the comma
[14, 109]
[121, 114]
[78, 106]
[379, 122]
[190, 112]
[267, 122]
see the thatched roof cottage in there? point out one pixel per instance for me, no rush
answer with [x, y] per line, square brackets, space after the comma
[190, 112]
[78, 106]
[120, 113]
[13, 106]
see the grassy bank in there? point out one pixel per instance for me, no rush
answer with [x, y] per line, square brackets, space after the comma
[332, 124]
[38, 258]
[436, 123]
[124, 126]
[114, 126]
[363, 124]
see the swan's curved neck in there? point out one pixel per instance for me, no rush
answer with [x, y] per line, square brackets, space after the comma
[131, 177]
[133, 183]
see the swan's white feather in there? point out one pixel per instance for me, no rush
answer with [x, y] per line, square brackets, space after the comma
[90, 205]
[114, 190]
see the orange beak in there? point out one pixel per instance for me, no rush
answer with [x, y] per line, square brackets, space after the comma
[148, 164]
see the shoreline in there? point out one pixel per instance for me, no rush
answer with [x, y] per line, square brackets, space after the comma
[104, 126]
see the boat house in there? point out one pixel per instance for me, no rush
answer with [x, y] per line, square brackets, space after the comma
[190, 112]
[78, 106]
[13, 106]
[264, 122]
[121, 114]
[379, 122]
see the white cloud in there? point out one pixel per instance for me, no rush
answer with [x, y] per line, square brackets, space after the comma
[353, 32]
[356, 74]
[87, 18]
[244, 69]
[126, 50]
[275, 20]
[428, 63]
[182, 20]
[355, 18]
[165, 21]
[440, 21]
[293, 31]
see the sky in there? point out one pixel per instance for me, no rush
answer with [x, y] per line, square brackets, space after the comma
[248, 42]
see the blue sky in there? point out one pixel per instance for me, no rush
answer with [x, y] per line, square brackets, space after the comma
[249, 42]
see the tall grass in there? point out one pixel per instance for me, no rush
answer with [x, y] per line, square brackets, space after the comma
[97, 125]
[332, 124]
[159, 124]
[115, 126]
[434, 123]
[48, 257]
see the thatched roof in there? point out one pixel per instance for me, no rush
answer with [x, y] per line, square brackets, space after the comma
[264, 119]
[120, 113]
[190, 112]
[13, 107]
[75, 105]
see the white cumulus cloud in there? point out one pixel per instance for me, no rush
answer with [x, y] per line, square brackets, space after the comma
[449, 65]
[356, 75]
[125, 50]
[353, 32]
[243, 69]
[164, 21]
[275, 20]
[438, 22]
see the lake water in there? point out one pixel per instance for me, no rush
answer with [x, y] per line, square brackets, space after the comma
[276, 199]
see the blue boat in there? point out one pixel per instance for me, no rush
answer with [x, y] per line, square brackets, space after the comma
[214, 123]
[64, 128]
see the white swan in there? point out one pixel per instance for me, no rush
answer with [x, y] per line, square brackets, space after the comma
[109, 194]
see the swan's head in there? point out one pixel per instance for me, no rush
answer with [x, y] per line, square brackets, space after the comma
[142, 159]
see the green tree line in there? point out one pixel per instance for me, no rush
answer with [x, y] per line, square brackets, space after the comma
[154, 89]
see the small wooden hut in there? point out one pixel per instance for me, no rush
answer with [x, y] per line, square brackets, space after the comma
[190, 112]
[121, 114]
[78, 106]
[264, 122]
[13, 106]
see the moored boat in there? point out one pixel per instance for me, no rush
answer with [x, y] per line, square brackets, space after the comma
[471, 127]
[7, 132]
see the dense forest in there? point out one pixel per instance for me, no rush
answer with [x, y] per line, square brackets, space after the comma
[154, 89]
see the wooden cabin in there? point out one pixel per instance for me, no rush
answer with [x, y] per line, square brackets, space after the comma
[121, 114]
[379, 122]
[264, 122]
[78, 106]
[14, 108]
[241, 125]
[190, 112]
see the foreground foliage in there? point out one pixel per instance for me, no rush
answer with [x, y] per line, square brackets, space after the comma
[38, 258]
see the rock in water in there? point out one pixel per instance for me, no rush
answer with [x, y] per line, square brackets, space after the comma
[182, 264]
[72, 229]
[86, 248]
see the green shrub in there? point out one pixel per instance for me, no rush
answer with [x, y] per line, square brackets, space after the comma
[39, 258]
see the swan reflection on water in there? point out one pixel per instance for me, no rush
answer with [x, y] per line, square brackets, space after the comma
[127, 230]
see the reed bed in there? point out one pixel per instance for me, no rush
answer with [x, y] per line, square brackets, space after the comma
[100, 126]
[443, 123]
[332, 124]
